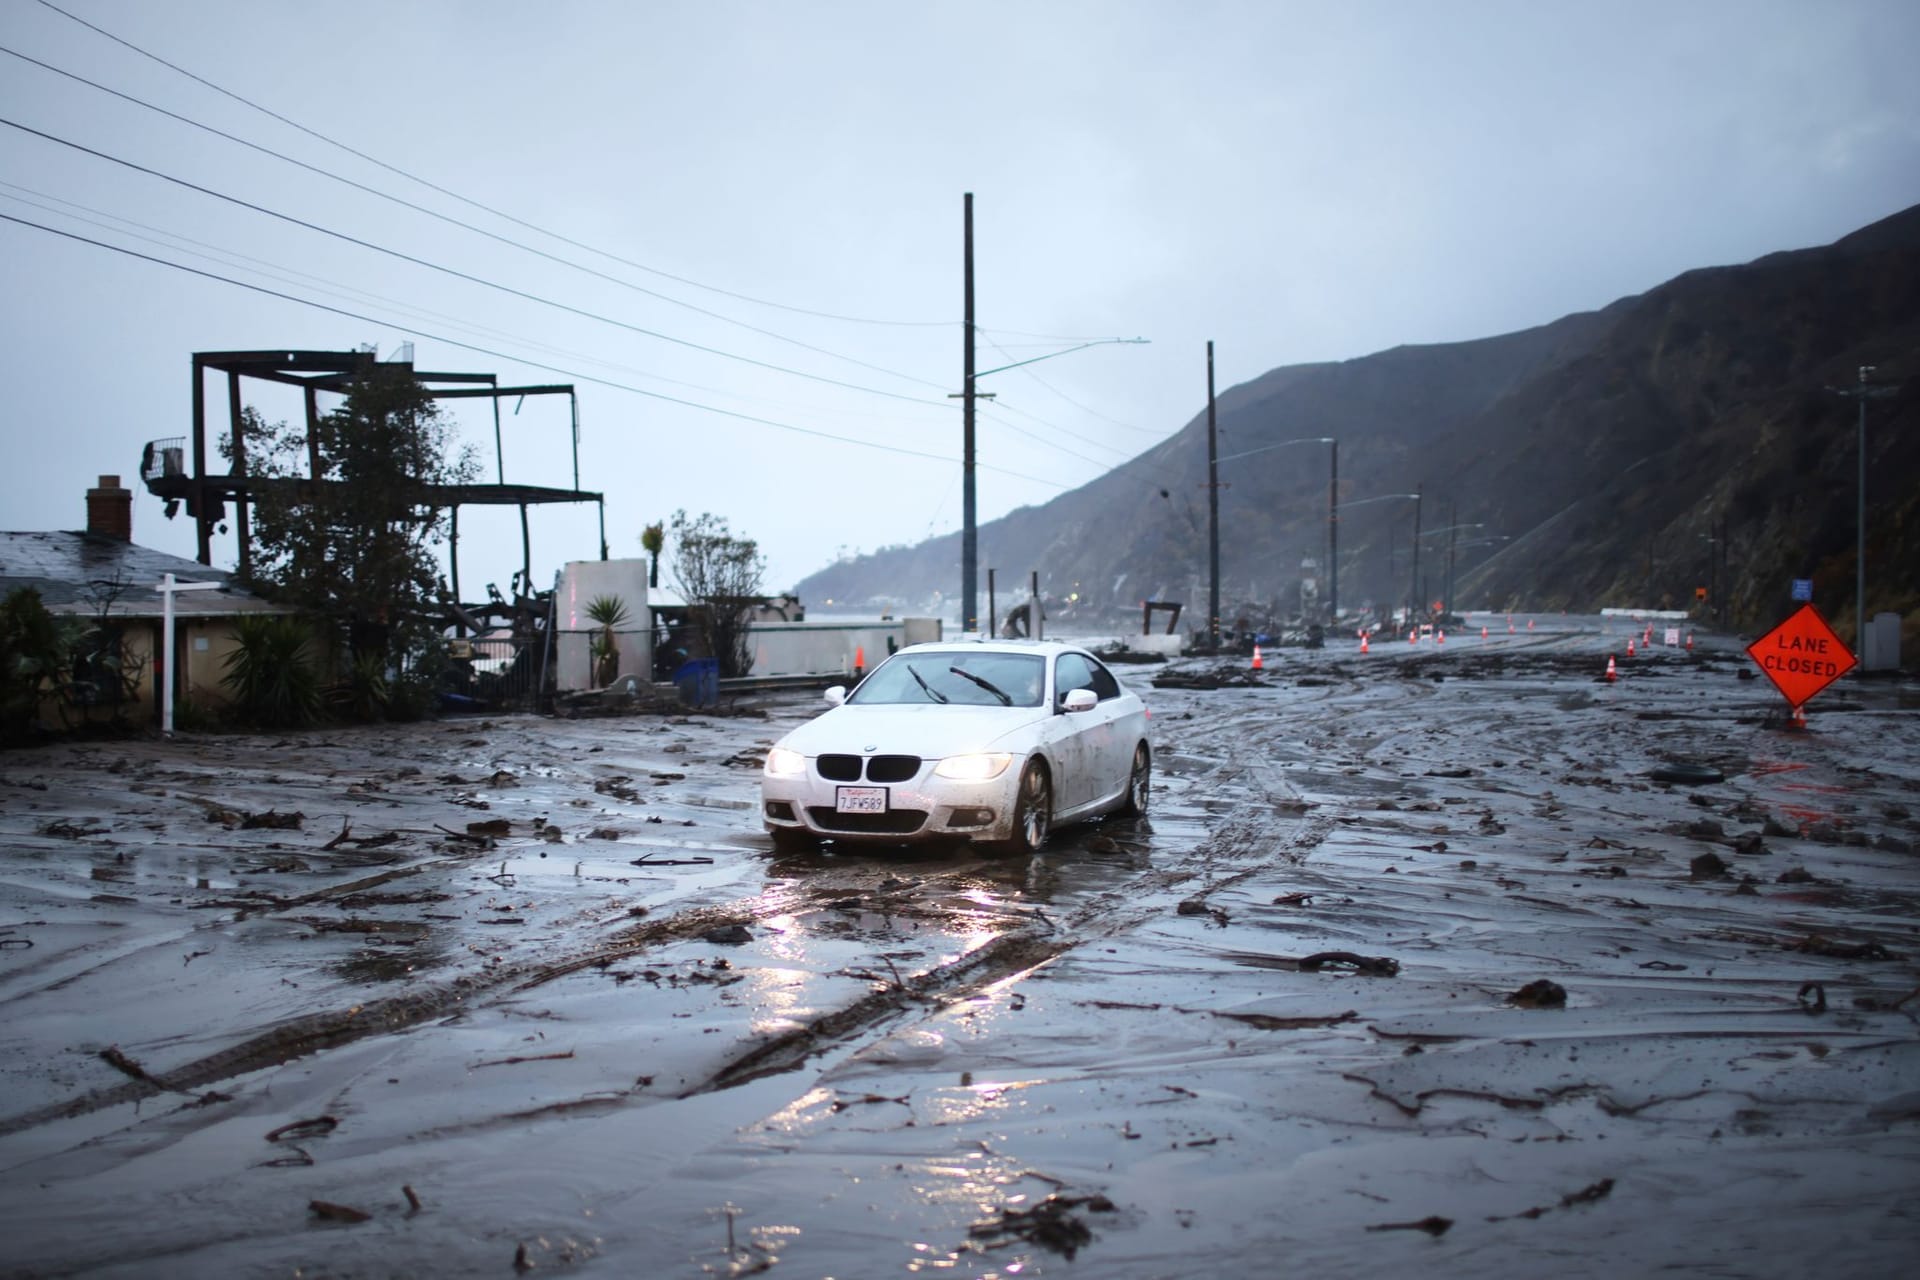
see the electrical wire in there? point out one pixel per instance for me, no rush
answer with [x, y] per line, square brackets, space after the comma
[457, 274]
[500, 355]
[412, 177]
[287, 275]
[467, 226]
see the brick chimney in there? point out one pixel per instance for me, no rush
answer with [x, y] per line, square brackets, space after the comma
[110, 510]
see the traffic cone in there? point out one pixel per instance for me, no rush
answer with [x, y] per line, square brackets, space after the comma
[1439, 637]
[1483, 632]
[1363, 642]
[1256, 657]
[1529, 624]
[1799, 718]
[1629, 646]
[1689, 641]
[1413, 636]
[1612, 675]
[859, 661]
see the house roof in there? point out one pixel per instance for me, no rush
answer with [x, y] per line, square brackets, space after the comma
[77, 572]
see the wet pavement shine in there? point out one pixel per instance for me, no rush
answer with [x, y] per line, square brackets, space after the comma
[1453, 958]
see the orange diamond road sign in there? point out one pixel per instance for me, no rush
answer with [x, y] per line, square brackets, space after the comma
[1802, 655]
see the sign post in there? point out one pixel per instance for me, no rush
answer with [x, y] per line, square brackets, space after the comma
[1802, 656]
[168, 587]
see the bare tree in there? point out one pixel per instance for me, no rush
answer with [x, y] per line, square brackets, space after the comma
[719, 574]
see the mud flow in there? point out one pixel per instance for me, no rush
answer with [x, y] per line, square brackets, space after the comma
[1460, 959]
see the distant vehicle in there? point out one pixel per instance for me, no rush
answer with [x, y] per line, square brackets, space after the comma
[992, 743]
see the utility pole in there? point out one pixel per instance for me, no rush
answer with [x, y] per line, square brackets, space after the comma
[970, 534]
[1413, 598]
[1213, 512]
[1862, 393]
[1333, 538]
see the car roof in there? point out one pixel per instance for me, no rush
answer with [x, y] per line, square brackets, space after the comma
[1044, 648]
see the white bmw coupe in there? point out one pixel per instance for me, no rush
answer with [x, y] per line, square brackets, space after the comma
[992, 742]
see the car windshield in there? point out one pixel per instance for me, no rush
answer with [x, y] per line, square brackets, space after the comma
[958, 676]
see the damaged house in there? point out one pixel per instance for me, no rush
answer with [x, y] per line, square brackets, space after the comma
[109, 586]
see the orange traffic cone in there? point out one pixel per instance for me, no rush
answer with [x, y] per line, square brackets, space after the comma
[1439, 637]
[859, 661]
[1413, 637]
[1363, 642]
[1629, 646]
[1612, 675]
[1483, 633]
[1689, 640]
[1529, 624]
[1256, 657]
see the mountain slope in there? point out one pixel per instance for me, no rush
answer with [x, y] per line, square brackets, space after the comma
[1605, 447]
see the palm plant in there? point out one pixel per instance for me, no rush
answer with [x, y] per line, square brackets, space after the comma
[609, 612]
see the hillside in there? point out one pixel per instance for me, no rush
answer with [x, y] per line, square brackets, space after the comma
[1606, 448]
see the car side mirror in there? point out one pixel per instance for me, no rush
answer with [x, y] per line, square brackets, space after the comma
[1079, 700]
[836, 694]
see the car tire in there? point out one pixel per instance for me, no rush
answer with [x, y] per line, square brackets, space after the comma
[1134, 804]
[1032, 812]
[793, 839]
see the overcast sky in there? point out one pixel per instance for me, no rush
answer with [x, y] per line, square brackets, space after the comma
[759, 290]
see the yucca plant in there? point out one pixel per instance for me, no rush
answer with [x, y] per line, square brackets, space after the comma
[609, 612]
[273, 683]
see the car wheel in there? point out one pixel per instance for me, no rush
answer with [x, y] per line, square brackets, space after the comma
[1032, 812]
[1135, 802]
[793, 839]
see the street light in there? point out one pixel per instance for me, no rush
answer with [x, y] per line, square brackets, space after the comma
[1446, 599]
[1390, 497]
[1333, 491]
[969, 530]
[1862, 393]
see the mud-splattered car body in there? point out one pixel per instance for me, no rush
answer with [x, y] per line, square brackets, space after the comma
[987, 742]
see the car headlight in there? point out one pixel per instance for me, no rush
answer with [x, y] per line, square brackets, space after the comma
[785, 763]
[976, 768]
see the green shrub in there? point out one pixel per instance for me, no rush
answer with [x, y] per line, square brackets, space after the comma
[273, 682]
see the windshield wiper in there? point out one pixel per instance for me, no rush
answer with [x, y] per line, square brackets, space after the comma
[933, 693]
[984, 683]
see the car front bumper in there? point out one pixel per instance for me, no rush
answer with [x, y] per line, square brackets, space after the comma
[925, 807]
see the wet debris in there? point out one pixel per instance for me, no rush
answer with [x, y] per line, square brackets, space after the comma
[1684, 774]
[1812, 997]
[730, 935]
[1368, 966]
[271, 820]
[1434, 1225]
[331, 1212]
[869, 1099]
[126, 1066]
[1541, 993]
[1708, 866]
[62, 829]
[1051, 1224]
[298, 1130]
[490, 827]
[1586, 1195]
[1820, 945]
[534, 1057]
[649, 860]
[1199, 907]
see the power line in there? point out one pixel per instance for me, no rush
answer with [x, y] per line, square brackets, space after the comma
[412, 177]
[501, 355]
[467, 226]
[1145, 431]
[288, 275]
[457, 274]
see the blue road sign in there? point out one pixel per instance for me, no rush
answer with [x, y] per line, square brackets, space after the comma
[1803, 588]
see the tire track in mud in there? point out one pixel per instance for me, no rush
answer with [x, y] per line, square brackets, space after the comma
[1242, 842]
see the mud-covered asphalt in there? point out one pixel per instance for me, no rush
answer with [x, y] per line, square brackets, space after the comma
[1451, 958]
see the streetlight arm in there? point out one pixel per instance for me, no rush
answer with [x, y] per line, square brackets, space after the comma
[1385, 497]
[1098, 342]
[1283, 444]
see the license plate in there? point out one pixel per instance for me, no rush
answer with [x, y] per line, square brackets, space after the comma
[860, 800]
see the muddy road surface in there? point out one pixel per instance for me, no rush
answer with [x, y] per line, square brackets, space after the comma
[1454, 958]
